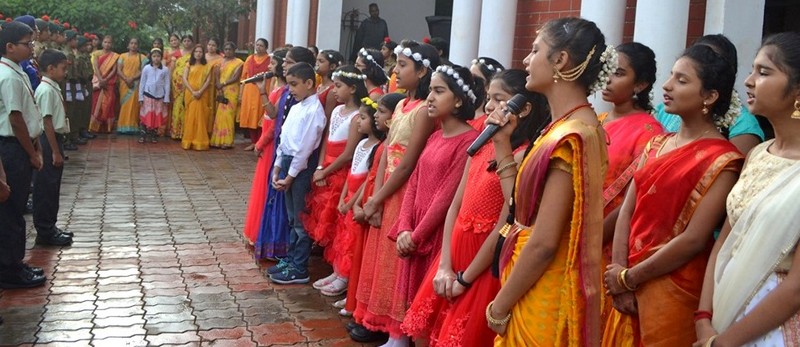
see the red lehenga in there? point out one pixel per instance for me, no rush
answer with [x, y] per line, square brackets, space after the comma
[462, 322]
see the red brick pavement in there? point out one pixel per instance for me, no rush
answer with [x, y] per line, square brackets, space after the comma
[158, 259]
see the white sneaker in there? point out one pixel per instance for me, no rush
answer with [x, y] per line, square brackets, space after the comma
[345, 313]
[319, 284]
[340, 303]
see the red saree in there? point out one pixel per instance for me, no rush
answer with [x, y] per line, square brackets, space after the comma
[668, 190]
[104, 99]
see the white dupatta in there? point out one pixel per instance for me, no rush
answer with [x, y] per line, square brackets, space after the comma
[766, 232]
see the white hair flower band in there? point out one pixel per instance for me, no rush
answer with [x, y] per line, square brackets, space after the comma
[350, 75]
[488, 66]
[449, 71]
[416, 56]
[364, 54]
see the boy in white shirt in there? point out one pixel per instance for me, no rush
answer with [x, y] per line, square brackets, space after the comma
[20, 127]
[47, 183]
[296, 159]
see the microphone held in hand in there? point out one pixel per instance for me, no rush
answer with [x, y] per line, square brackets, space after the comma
[259, 77]
[513, 106]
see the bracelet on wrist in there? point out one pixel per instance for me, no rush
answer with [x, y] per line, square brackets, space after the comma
[710, 341]
[495, 321]
[624, 282]
[505, 167]
[700, 315]
[460, 279]
[320, 167]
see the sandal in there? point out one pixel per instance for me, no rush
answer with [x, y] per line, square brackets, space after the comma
[335, 288]
[345, 313]
[340, 303]
[321, 283]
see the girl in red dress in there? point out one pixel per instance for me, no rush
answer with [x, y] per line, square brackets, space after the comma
[436, 316]
[370, 62]
[327, 62]
[331, 174]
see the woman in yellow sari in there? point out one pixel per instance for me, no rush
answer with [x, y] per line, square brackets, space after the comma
[228, 75]
[129, 71]
[104, 85]
[213, 59]
[550, 261]
[179, 64]
[197, 80]
[250, 115]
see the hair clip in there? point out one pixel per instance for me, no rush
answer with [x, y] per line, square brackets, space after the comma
[368, 102]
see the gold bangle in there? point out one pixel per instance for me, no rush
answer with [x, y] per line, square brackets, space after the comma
[710, 341]
[624, 282]
[500, 162]
[504, 167]
[494, 321]
[513, 175]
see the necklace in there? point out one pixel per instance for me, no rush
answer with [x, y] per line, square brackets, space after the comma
[675, 142]
[564, 117]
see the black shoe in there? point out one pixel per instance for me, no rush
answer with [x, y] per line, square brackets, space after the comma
[80, 141]
[361, 334]
[22, 279]
[33, 269]
[62, 231]
[70, 146]
[351, 325]
[57, 239]
[1, 320]
[87, 135]
[29, 205]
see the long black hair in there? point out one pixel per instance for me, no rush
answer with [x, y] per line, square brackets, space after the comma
[643, 62]
[513, 82]
[577, 36]
[427, 52]
[715, 73]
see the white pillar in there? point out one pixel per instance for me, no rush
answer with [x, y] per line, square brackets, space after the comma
[498, 21]
[329, 27]
[265, 20]
[726, 17]
[609, 15]
[464, 31]
[297, 15]
[667, 41]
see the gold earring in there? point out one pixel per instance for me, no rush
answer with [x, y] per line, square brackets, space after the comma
[796, 113]
[705, 108]
[555, 75]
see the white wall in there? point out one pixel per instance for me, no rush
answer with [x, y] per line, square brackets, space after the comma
[406, 19]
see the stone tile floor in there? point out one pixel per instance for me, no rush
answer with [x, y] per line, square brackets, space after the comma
[158, 259]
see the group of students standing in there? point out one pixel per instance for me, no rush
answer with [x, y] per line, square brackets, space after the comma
[640, 226]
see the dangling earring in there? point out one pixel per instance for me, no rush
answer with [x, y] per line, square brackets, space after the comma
[635, 96]
[705, 108]
[796, 113]
[555, 75]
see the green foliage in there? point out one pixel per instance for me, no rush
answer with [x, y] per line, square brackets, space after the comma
[152, 18]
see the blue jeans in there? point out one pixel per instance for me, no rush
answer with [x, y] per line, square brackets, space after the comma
[299, 241]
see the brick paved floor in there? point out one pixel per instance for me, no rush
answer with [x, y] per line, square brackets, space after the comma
[158, 259]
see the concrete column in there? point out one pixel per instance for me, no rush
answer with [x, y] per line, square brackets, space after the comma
[297, 14]
[667, 41]
[726, 17]
[329, 27]
[288, 38]
[265, 20]
[498, 21]
[609, 15]
[464, 31]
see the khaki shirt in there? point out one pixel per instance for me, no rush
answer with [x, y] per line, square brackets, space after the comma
[16, 94]
[48, 98]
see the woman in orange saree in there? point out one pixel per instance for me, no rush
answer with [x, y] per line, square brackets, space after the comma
[550, 261]
[629, 127]
[129, 71]
[665, 227]
[104, 83]
[214, 60]
[249, 116]
[197, 81]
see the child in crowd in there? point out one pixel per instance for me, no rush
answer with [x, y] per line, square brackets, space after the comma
[327, 62]
[300, 137]
[389, 58]
[47, 182]
[129, 71]
[20, 152]
[337, 153]
[358, 230]
[377, 309]
[154, 95]
[196, 80]
[370, 62]
[484, 69]
[228, 74]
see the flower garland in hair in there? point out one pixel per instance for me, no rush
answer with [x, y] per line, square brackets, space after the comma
[488, 66]
[369, 103]
[727, 120]
[416, 56]
[459, 81]
[610, 62]
[350, 75]
[364, 54]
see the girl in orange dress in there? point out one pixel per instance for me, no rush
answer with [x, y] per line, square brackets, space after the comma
[376, 310]
[435, 316]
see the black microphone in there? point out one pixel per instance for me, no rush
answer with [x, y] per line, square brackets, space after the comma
[514, 106]
[259, 77]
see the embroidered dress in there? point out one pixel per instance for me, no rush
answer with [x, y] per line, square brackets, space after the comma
[195, 131]
[224, 128]
[323, 201]
[129, 65]
[380, 266]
